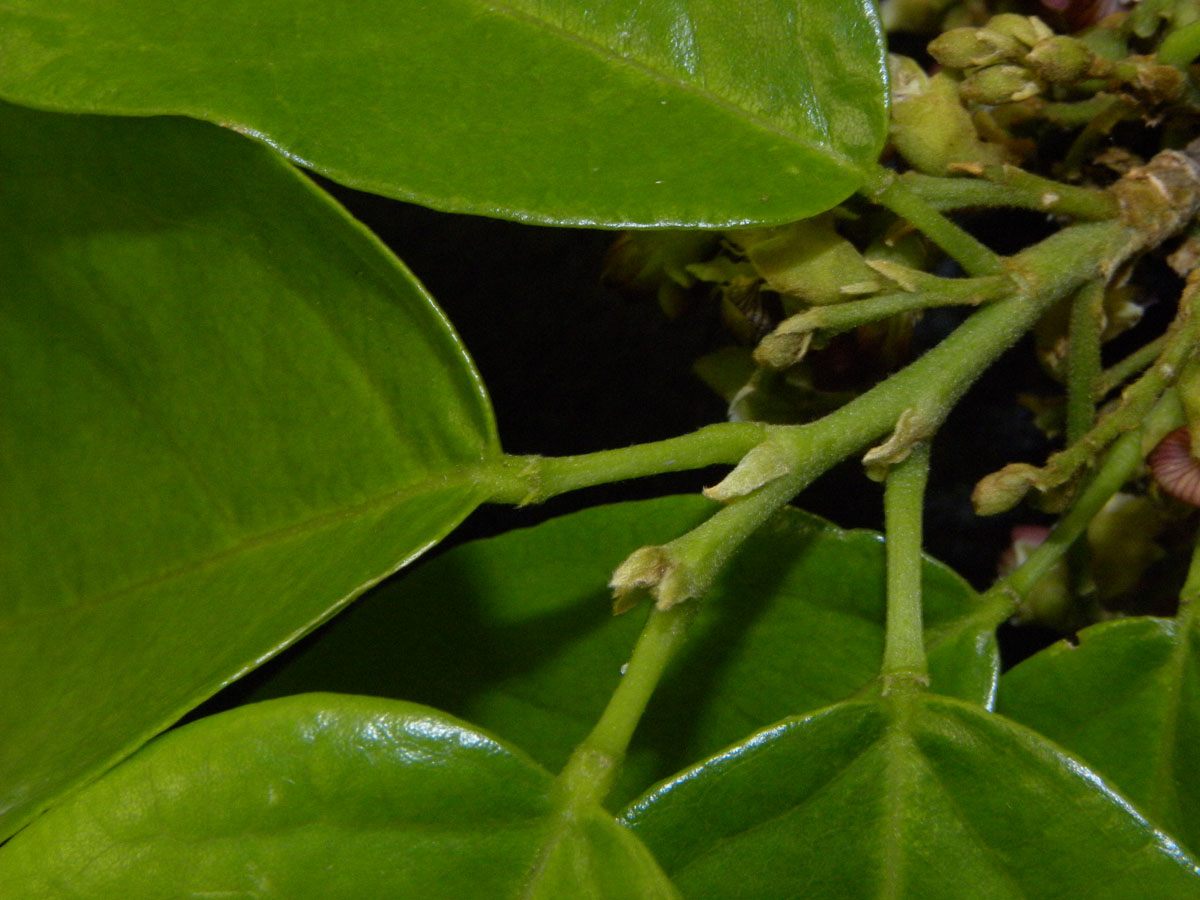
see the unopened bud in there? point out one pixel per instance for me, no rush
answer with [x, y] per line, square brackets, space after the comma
[1002, 490]
[807, 260]
[933, 131]
[782, 350]
[645, 569]
[965, 48]
[1060, 59]
[1160, 84]
[1029, 30]
[999, 84]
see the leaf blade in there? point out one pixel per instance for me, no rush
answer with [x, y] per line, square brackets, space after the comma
[909, 797]
[192, 359]
[671, 113]
[326, 796]
[1127, 701]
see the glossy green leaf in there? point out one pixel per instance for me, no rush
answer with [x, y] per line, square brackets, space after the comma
[913, 797]
[1127, 701]
[324, 796]
[226, 410]
[515, 632]
[643, 112]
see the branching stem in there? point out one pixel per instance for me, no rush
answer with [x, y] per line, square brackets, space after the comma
[1003, 489]
[893, 193]
[1116, 467]
[532, 479]
[1120, 372]
[1013, 187]
[777, 350]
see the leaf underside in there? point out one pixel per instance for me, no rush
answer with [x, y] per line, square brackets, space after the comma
[1127, 701]
[914, 796]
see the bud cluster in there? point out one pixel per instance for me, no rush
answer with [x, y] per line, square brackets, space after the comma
[1014, 58]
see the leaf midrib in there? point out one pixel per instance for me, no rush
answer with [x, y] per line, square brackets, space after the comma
[840, 160]
[434, 482]
[1000, 868]
[737, 112]
[849, 763]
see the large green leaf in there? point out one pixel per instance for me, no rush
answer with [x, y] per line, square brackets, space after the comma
[911, 798]
[644, 112]
[225, 410]
[515, 632]
[321, 797]
[1127, 701]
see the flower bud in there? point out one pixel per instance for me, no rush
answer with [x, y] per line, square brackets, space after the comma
[1060, 59]
[965, 48]
[932, 130]
[1029, 30]
[999, 84]
[1002, 490]
[806, 261]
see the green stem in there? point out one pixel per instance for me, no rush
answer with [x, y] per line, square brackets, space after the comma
[1047, 271]
[1116, 467]
[1190, 593]
[1076, 113]
[592, 769]
[686, 567]
[1182, 344]
[904, 664]
[934, 382]
[889, 191]
[532, 479]
[1083, 371]
[1119, 463]
[1188, 389]
[1083, 358]
[1041, 274]
[1181, 46]
[1117, 374]
[913, 402]
[1107, 114]
[1012, 187]
[778, 349]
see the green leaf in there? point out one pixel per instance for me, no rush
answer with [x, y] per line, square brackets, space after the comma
[1127, 701]
[637, 112]
[226, 411]
[324, 796]
[515, 632]
[914, 797]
